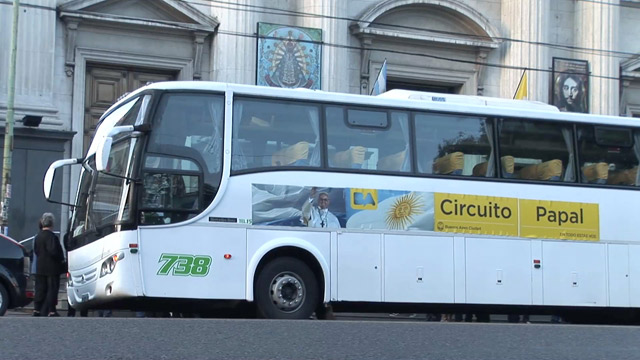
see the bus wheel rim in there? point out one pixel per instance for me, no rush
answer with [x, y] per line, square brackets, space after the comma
[287, 292]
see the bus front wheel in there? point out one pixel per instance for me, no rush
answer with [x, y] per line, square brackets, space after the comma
[286, 288]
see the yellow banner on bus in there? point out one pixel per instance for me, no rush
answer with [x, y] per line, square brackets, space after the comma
[476, 214]
[559, 220]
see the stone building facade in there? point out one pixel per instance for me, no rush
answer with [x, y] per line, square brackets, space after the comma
[76, 57]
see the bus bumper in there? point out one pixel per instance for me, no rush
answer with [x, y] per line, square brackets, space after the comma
[92, 286]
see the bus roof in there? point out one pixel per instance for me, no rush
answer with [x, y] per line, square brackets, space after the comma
[467, 100]
[410, 100]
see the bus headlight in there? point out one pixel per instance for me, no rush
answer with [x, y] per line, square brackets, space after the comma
[110, 264]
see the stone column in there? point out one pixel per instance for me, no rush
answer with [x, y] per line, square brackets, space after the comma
[526, 20]
[596, 25]
[233, 54]
[335, 64]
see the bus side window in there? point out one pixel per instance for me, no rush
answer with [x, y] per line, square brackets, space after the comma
[192, 121]
[397, 156]
[269, 133]
[369, 139]
[454, 145]
[608, 155]
[537, 150]
[347, 148]
[171, 191]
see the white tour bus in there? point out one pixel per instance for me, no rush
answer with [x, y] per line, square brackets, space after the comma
[198, 194]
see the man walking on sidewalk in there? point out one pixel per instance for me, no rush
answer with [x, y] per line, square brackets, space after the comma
[49, 266]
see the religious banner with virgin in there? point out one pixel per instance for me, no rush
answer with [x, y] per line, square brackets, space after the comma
[289, 56]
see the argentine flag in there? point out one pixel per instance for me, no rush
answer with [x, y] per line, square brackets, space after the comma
[380, 85]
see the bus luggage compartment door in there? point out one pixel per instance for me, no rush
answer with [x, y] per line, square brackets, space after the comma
[498, 271]
[418, 269]
[618, 275]
[359, 267]
[574, 273]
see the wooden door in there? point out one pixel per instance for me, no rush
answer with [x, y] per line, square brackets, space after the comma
[105, 85]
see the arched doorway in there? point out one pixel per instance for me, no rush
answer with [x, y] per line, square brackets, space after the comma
[429, 45]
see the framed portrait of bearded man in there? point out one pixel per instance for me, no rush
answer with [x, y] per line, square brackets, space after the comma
[289, 56]
[570, 85]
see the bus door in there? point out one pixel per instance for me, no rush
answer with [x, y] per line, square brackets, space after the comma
[181, 174]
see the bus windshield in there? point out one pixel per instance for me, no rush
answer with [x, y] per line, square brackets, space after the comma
[102, 197]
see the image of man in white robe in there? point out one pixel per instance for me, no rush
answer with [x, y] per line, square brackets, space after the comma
[319, 215]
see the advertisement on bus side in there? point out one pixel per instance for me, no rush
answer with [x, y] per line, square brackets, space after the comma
[377, 209]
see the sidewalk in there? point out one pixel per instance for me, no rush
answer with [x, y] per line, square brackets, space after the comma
[62, 309]
[497, 318]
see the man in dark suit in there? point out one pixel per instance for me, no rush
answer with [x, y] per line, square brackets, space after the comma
[49, 266]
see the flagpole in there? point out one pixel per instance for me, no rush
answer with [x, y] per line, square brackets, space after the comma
[8, 131]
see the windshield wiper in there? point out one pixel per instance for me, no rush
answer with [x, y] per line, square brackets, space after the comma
[62, 203]
[135, 181]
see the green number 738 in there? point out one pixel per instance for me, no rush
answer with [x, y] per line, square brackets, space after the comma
[184, 265]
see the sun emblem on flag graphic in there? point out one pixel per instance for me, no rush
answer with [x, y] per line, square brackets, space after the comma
[403, 211]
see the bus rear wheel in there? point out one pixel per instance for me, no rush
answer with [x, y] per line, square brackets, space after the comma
[286, 288]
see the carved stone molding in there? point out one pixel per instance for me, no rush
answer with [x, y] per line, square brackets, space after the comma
[70, 50]
[176, 18]
[366, 42]
[630, 69]
[364, 86]
[481, 61]
[626, 80]
[198, 40]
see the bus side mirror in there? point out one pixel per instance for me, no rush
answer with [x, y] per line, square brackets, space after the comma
[102, 153]
[50, 174]
[104, 147]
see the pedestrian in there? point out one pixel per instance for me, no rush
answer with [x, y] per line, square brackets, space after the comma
[515, 318]
[71, 311]
[556, 319]
[105, 313]
[49, 266]
[468, 317]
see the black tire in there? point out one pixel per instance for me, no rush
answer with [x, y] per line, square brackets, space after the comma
[4, 300]
[287, 279]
